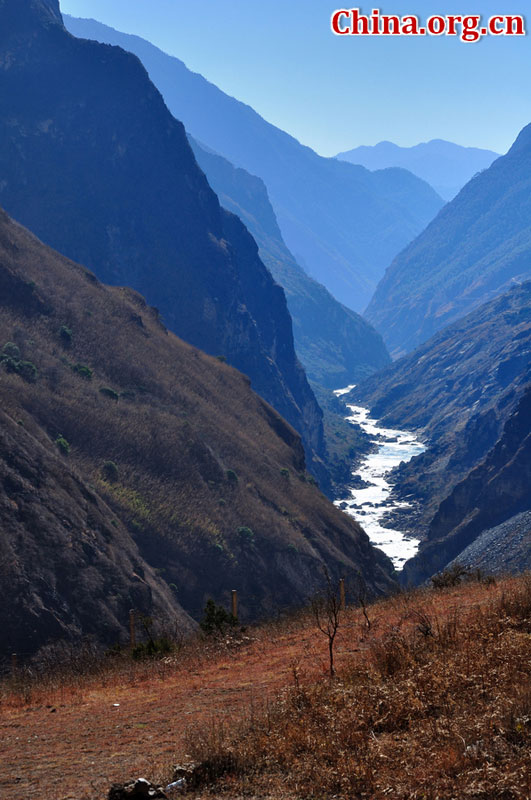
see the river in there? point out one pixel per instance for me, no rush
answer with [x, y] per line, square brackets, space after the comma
[369, 505]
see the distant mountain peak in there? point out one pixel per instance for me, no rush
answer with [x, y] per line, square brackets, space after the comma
[445, 165]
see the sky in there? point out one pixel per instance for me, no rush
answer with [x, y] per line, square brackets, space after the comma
[335, 93]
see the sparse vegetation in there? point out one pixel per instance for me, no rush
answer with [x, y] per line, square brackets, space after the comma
[62, 444]
[189, 439]
[10, 357]
[436, 705]
[110, 471]
[106, 391]
[83, 371]
[216, 620]
[65, 335]
[440, 714]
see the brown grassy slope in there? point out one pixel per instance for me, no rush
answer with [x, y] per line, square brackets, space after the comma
[401, 704]
[439, 706]
[68, 566]
[210, 480]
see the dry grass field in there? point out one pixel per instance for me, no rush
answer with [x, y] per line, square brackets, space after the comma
[432, 701]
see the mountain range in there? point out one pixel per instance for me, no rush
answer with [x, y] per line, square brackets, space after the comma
[485, 521]
[457, 391]
[335, 345]
[94, 164]
[342, 223]
[477, 247]
[137, 471]
[444, 165]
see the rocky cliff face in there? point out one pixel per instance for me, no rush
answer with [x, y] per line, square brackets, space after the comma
[493, 493]
[336, 346]
[457, 390]
[475, 249]
[92, 162]
[342, 223]
[135, 470]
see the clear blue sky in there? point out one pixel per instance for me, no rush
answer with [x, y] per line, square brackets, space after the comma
[334, 93]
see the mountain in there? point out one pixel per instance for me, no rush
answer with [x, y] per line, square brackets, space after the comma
[136, 470]
[456, 391]
[342, 223]
[336, 346]
[92, 161]
[444, 165]
[475, 249]
[490, 503]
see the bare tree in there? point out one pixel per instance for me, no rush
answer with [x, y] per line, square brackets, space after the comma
[327, 612]
[362, 597]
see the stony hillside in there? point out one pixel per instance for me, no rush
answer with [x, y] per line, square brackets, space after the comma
[457, 390]
[495, 492]
[342, 223]
[92, 161]
[136, 469]
[475, 249]
[336, 346]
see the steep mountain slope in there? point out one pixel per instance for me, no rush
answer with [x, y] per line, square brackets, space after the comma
[121, 447]
[475, 249]
[457, 390]
[92, 162]
[336, 346]
[444, 165]
[68, 566]
[342, 223]
[495, 492]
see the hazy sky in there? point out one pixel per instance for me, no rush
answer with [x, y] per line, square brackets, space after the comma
[334, 93]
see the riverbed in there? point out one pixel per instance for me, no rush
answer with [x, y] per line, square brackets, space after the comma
[369, 498]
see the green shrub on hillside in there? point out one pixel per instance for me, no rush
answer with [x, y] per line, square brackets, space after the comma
[10, 350]
[246, 535]
[27, 371]
[65, 335]
[106, 391]
[110, 471]
[63, 444]
[216, 619]
[10, 358]
[83, 371]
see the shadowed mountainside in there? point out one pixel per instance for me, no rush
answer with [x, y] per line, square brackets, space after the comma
[457, 390]
[136, 469]
[342, 223]
[444, 165]
[93, 163]
[336, 346]
[495, 492]
[475, 249]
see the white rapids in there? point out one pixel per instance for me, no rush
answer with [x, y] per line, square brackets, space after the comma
[371, 504]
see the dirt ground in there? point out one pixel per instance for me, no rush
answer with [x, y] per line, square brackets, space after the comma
[75, 742]
[72, 742]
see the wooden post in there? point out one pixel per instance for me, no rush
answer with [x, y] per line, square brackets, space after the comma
[132, 629]
[14, 665]
[235, 604]
[342, 601]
